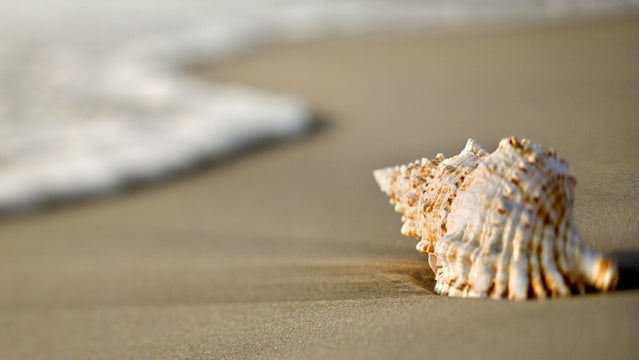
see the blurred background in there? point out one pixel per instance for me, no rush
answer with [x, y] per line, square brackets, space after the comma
[95, 95]
[222, 152]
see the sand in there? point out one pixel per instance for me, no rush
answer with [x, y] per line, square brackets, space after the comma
[292, 251]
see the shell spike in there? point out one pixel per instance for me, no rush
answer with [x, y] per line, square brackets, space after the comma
[474, 147]
[384, 178]
[599, 270]
[604, 274]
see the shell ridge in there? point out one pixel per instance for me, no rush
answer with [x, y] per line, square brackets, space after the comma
[518, 277]
[554, 283]
[443, 249]
[558, 250]
[536, 280]
[503, 264]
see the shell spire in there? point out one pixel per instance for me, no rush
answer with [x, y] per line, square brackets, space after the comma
[499, 224]
[424, 190]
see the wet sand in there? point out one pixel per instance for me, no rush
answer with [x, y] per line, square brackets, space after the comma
[292, 251]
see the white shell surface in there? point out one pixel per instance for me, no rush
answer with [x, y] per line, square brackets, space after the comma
[499, 224]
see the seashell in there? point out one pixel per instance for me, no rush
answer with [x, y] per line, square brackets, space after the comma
[497, 225]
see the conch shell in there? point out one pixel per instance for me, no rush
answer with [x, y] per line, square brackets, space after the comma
[497, 225]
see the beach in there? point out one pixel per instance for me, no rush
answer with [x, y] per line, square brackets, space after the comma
[291, 250]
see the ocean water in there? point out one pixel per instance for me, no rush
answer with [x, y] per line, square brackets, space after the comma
[97, 94]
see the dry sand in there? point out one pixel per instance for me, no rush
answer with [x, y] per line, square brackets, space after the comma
[292, 252]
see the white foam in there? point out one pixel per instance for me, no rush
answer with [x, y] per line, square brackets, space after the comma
[96, 94]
